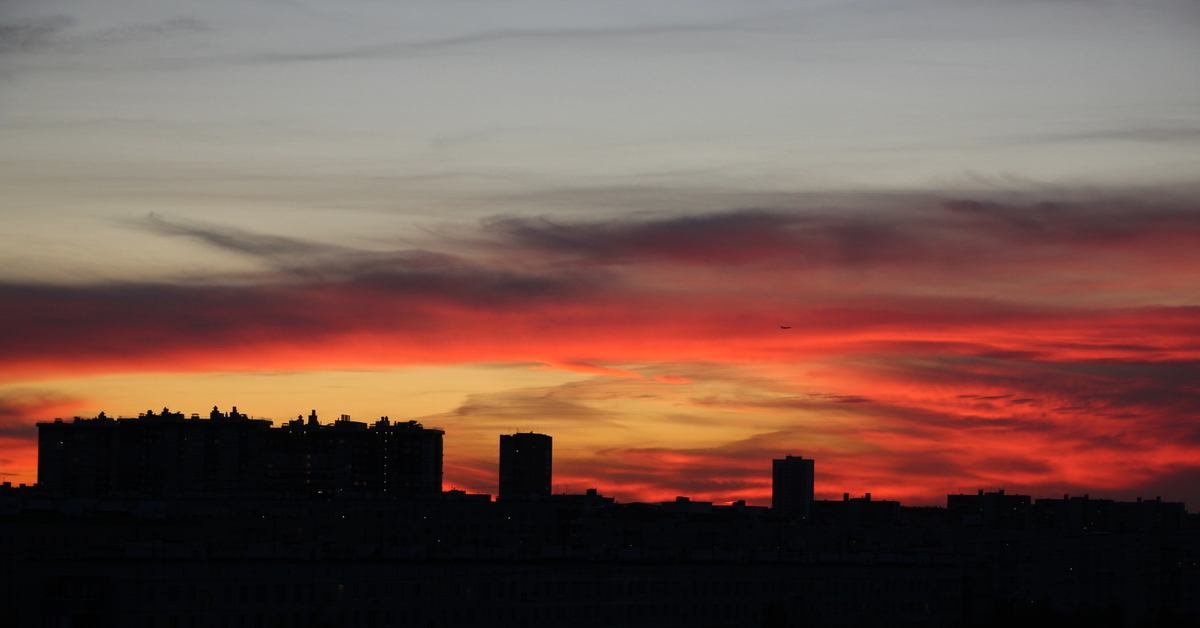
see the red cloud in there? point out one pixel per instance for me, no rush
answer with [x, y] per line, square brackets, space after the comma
[1042, 347]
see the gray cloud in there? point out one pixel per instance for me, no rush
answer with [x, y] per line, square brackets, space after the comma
[33, 34]
[516, 409]
[305, 258]
[948, 233]
[142, 31]
[412, 271]
[457, 43]
[1177, 133]
[51, 33]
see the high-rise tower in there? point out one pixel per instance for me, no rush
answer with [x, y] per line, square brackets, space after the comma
[792, 486]
[525, 466]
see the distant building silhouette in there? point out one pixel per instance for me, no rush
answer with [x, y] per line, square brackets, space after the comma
[167, 455]
[526, 461]
[854, 512]
[154, 455]
[386, 459]
[792, 486]
[989, 510]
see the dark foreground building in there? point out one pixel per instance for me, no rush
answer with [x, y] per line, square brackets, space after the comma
[456, 560]
[447, 562]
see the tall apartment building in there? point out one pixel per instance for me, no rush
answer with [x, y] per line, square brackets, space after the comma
[385, 459]
[792, 486]
[168, 455]
[80, 458]
[526, 461]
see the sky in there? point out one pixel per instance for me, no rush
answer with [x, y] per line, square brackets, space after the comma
[935, 245]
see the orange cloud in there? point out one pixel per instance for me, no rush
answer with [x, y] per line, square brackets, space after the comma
[588, 369]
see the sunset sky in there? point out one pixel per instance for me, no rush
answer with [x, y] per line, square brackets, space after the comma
[593, 219]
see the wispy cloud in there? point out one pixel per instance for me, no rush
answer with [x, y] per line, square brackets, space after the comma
[1134, 133]
[404, 272]
[49, 33]
[33, 34]
[63, 33]
[465, 42]
[917, 232]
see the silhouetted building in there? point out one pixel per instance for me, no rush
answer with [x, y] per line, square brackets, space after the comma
[855, 512]
[792, 486]
[989, 510]
[152, 555]
[1081, 512]
[526, 461]
[167, 455]
[154, 455]
[79, 458]
[386, 459]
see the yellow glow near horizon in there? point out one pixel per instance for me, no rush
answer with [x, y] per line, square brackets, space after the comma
[589, 415]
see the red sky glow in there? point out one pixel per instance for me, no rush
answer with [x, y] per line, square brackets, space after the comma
[1043, 348]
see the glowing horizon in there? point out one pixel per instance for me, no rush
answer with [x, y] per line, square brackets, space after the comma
[654, 349]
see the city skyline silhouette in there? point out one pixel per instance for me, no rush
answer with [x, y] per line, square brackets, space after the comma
[173, 455]
[345, 524]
